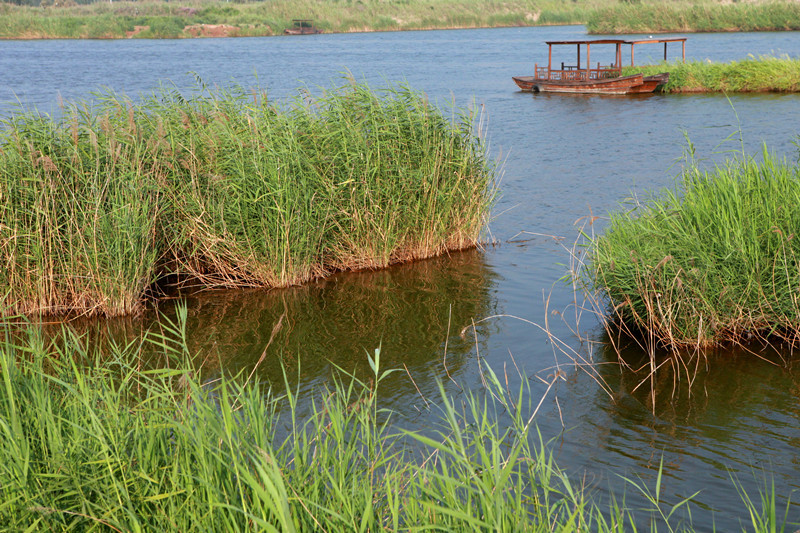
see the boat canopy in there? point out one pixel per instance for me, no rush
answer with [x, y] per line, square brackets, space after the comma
[618, 43]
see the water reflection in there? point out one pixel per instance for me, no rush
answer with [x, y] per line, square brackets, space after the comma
[713, 417]
[406, 310]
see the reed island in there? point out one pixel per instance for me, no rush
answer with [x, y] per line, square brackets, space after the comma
[711, 262]
[102, 206]
[753, 74]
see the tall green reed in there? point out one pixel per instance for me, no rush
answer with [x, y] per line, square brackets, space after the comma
[90, 439]
[712, 261]
[173, 19]
[644, 17]
[226, 189]
[78, 210]
[762, 74]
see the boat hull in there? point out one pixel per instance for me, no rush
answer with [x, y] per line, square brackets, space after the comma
[302, 31]
[636, 83]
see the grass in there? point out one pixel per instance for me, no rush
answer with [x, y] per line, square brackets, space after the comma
[226, 189]
[681, 16]
[763, 74]
[172, 20]
[91, 440]
[713, 261]
[65, 19]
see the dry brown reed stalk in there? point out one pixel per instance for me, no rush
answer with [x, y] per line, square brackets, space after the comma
[576, 359]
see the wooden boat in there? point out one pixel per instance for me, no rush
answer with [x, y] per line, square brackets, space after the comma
[601, 79]
[302, 27]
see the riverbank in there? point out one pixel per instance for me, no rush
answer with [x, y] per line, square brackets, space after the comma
[763, 74]
[91, 440]
[686, 17]
[225, 189]
[64, 19]
[204, 18]
[712, 262]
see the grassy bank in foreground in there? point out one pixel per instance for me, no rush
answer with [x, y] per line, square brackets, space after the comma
[190, 18]
[108, 447]
[713, 261]
[764, 74]
[226, 189]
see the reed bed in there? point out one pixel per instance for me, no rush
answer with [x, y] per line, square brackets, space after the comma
[178, 19]
[65, 19]
[713, 261]
[89, 440]
[681, 17]
[226, 189]
[762, 74]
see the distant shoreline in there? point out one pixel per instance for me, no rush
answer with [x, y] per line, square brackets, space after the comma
[64, 19]
[239, 34]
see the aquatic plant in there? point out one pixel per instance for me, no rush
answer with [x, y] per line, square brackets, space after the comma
[662, 17]
[713, 261]
[79, 205]
[226, 189]
[122, 19]
[177, 20]
[95, 440]
[762, 74]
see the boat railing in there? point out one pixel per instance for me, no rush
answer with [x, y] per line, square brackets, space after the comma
[572, 74]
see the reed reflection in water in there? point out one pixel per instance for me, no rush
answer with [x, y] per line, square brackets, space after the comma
[411, 312]
[712, 418]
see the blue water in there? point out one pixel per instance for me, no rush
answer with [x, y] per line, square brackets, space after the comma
[563, 158]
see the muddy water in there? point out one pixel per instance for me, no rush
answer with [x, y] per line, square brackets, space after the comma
[726, 414]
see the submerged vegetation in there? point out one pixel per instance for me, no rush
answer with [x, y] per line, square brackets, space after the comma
[92, 441]
[713, 261]
[763, 74]
[191, 18]
[226, 189]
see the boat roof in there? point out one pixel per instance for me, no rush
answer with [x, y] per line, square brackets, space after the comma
[651, 40]
[619, 41]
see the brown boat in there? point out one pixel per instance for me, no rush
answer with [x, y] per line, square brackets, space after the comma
[302, 27]
[601, 79]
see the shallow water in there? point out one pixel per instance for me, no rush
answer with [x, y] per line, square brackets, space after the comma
[563, 157]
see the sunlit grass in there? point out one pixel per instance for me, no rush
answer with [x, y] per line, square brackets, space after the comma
[681, 16]
[715, 260]
[92, 440]
[776, 74]
[171, 19]
[228, 189]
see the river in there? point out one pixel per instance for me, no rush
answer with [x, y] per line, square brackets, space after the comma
[563, 157]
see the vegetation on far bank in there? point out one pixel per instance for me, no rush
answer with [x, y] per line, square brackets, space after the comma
[685, 16]
[763, 74]
[712, 262]
[92, 441]
[177, 19]
[226, 189]
[192, 18]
